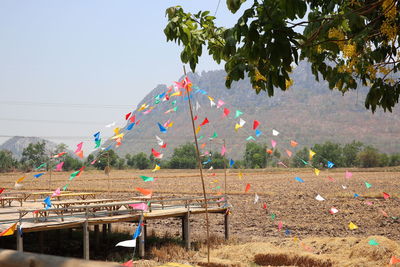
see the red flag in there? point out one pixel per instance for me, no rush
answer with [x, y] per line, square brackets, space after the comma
[1, 190]
[137, 123]
[386, 195]
[195, 118]
[80, 171]
[128, 115]
[204, 122]
[226, 112]
[247, 188]
[265, 206]
[156, 154]
[394, 260]
[164, 145]
[145, 192]
[128, 263]
[133, 118]
[256, 123]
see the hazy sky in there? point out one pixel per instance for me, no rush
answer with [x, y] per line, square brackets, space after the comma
[67, 68]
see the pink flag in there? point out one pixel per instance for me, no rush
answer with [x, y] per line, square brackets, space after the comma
[256, 123]
[166, 123]
[273, 143]
[133, 118]
[59, 166]
[223, 150]
[56, 193]
[226, 112]
[283, 164]
[79, 147]
[280, 225]
[348, 175]
[139, 206]
[147, 111]
[220, 103]
[93, 162]
[289, 153]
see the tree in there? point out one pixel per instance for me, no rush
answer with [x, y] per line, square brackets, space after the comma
[348, 43]
[141, 161]
[71, 163]
[34, 155]
[184, 157]
[107, 158]
[255, 155]
[369, 157]
[301, 157]
[394, 160]
[7, 161]
[350, 152]
[327, 152]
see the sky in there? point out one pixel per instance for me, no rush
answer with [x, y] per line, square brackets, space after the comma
[68, 68]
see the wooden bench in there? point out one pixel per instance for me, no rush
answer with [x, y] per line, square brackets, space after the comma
[40, 195]
[5, 200]
[81, 195]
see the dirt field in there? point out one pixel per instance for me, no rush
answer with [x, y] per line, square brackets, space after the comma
[305, 222]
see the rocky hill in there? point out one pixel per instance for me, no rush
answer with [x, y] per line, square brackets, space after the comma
[17, 144]
[309, 113]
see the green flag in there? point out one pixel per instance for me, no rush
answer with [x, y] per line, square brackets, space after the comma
[201, 137]
[305, 162]
[250, 138]
[146, 178]
[238, 113]
[176, 108]
[65, 187]
[98, 143]
[273, 216]
[368, 185]
[174, 102]
[41, 166]
[372, 242]
[215, 135]
[73, 175]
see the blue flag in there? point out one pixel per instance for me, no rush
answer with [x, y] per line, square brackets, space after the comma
[162, 128]
[47, 201]
[97, 136]
[130, 126]
[356, 195]
[231, 162]
[38, 175]
[108, 148]
[330, 164]
[138, 230]
[258, 133]
[299, 179]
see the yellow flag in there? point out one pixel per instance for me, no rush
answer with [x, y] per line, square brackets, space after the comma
[118, 136]
[116, 130]
[295, 239]
[170, 124]
[143, 107]
[237, 126]
[352, 226]
[240, 175]
[211, 98]
[9, 231]
[179, 93]
[156, 168]
[198, 129]
[20, 179]
[316, 171]
[312, 153]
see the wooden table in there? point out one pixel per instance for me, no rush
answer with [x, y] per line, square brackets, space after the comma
[5, 200]
[81, 195]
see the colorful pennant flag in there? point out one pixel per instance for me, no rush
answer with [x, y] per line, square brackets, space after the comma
[156, 154]
[220, 103]
[299, 179]
[204, 122]
[293, 143]
[238, 113]
[247, 188]
[226, 112]
[256, 123]
[9, 231]
[38, 175]
[59, 166]
[145, 192]
[311, 154]
[352, 226]
[156, 168]
[146, 178]
[275, 132]
[162, 128]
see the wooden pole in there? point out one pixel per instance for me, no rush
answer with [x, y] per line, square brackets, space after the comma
[201, 171]
[141, 239]
[20, 242]
[86, 240]
[186, 232]
[226, 224]
[108, 173]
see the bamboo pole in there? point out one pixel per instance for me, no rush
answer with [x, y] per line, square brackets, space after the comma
[201, 171]
[225, 185]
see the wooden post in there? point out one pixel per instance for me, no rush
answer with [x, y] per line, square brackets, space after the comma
[96, 237]
[109, 228]
[186, 232]
[200, 169]
[227, 225]
[225, 172]
[141, 240]
[86, 240]
[104, 231]
[59, 238]
[20, 243]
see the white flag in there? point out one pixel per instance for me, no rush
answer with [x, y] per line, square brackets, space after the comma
[275, 132]
[241, 122]
[127, 243]
[111, 124]
[319, 198]
[160, 142]
[256, 198]
[197, 106]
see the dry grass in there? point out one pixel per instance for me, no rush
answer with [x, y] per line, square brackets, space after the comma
[289, 260]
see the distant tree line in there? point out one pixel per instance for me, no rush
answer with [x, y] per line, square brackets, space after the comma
[257, 155]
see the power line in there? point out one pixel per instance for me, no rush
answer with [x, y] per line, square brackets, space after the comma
[53, 121]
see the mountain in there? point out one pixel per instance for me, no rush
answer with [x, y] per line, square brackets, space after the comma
[17, 144]
[308, 112]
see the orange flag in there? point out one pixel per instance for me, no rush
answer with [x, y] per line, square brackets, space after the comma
[386, 195]
[293, 143]
[203, 145]
[80, 154]
[269, 151]
[247, 188]
[289, 153]
[9, 231]
[145, 192]
[394, 260]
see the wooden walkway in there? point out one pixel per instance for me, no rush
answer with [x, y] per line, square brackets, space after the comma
[32, 217]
